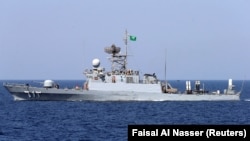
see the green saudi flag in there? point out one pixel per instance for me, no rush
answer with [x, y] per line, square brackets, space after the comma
[132, 38]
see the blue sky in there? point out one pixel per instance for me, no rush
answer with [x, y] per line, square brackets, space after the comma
[57, 39]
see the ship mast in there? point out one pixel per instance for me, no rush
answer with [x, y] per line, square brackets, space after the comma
[119, 61]
[126, 46]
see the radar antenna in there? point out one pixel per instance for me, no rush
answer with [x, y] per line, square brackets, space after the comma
[119, 61]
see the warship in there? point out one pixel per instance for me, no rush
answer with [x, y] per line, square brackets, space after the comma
[119, 84]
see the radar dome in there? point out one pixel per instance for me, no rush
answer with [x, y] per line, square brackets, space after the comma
[96, 63]
[48, 83]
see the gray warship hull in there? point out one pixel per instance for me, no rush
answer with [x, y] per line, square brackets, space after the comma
[22, 92]
[119, 84]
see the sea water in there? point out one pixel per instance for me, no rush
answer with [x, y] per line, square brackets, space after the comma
[66, 121]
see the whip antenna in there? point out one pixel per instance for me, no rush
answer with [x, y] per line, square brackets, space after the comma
[165, 71]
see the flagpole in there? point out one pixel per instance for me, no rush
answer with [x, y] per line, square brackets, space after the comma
[126, 45]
